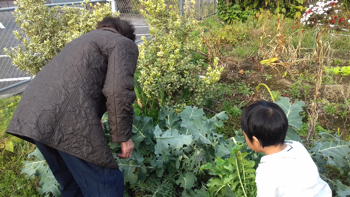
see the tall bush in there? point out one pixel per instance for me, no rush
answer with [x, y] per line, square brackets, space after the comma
[170, 72]
[45, 31]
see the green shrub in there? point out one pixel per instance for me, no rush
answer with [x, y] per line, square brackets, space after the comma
[228, 34]
[233, 12]
[45, 30]
[170, 70]
[240, 10]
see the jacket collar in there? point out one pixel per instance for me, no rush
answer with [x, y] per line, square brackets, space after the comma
[110, 29]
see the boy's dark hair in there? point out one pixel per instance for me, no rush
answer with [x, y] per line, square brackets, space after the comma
[123, 27]
[266, 121]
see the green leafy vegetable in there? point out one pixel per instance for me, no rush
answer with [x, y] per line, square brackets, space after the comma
[235, 176]
[40, 168]
[292, 135]
[187, 180]
[334, 150]
[292, 111]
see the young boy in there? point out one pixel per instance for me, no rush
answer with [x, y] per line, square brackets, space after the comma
[287, 168]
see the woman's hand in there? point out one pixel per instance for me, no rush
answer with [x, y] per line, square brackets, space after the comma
[127, 148]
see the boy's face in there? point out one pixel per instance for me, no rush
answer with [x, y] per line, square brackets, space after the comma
[255, 145]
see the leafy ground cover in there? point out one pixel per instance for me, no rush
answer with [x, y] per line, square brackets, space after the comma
[183, 155]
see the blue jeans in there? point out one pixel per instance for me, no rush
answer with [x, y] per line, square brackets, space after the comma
[81, 178]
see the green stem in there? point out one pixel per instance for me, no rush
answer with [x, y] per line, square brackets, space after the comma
[239, 176]
[242, 162]
[268, 89]
[234, 140]
[329, 180]
[219, 189]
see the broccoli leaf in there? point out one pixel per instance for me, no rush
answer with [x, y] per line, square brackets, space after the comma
[335, 150]
[143, 127]
[40, 168]
[292, 111]
[128, 168]
[169, 119]
[292, 135]
[342, 190]
[186, 181]
[170, 141]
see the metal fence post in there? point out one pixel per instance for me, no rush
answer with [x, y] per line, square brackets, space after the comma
[114, 5]
[181, 7]
[200, 9]
[214, 6]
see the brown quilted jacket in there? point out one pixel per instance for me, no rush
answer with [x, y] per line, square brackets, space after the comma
[63, 105]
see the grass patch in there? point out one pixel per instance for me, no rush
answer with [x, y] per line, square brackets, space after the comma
[12, 182]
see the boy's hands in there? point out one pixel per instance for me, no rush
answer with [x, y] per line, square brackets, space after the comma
[127, 148]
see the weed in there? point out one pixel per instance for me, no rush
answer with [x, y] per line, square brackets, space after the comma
[244, 50]
[328, 79]
[318, 128]
[337, 62]
[330, 108]
[307, 90]
[243, 88]
[12, 182]
[222, 90]
[7, 107]
[295, 88]
[268, 77]
[276, 94]
[303, 114]
[232, 110]
[343, 114]
[344, 111]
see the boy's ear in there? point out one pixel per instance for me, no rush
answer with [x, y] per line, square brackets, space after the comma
[256, 142]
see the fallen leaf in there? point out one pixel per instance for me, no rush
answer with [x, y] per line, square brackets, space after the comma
[269, 61]
[241, 72]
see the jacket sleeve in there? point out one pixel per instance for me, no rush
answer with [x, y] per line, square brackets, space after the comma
[119, 89]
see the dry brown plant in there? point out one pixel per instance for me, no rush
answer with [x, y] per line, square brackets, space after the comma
[320, 53]
[281, 47]
[212, 45]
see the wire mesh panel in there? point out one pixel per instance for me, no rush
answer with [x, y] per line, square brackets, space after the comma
[202, 8]
[9, 74]
[206, 7]
[130, 8]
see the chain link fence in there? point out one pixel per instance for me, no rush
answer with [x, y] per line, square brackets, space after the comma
[11, 76]
[203, 8]
[129, 8]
